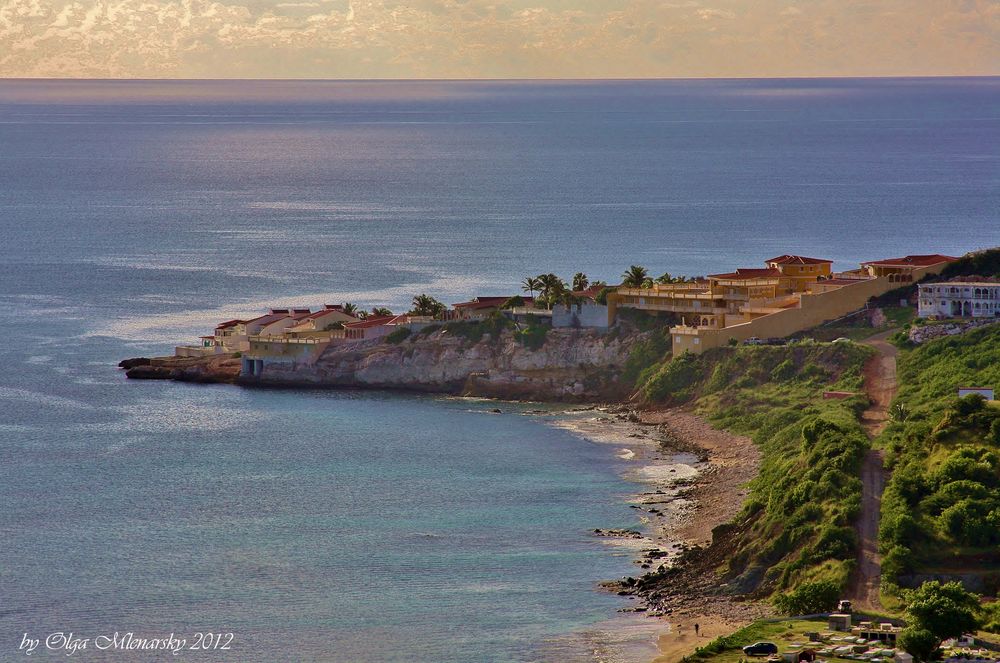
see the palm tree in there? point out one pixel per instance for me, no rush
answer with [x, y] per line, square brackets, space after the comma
[550, 285]
[530, 285]
[665, 277]
[634, 276]
[580, 281]
[427, 305]
[350, 309]
[380, 311]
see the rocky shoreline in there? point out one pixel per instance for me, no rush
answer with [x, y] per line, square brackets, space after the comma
[695, 481]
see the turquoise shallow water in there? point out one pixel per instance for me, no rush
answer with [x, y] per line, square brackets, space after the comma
[371, 527]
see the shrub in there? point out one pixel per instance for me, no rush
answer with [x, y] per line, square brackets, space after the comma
[783, 371]
[646, 354]
[532, 336]
[919, 643]
[809, 598]
[398, 336]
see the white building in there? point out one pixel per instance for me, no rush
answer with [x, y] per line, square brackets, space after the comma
[959, 299]
[985, 392]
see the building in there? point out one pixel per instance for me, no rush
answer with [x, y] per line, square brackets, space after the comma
[790, 294]
[903, 270]
[961, 298]
[482, 307]
[280, 323]
[327, 323]
[377, 327]
[585, 313]
[985, 392]
[242, 330]
[226, 337]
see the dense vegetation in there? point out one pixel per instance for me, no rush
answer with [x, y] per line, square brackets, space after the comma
[796, 526]
[941, 509]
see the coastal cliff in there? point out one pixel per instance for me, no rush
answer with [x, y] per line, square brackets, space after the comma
[569, 365]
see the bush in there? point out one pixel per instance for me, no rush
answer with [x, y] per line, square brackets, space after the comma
[809, 598]
[532, 336]
[646, 354]
[398, 336]
[783, 371]
[919, 643]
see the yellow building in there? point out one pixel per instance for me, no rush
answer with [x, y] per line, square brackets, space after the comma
[791, 294]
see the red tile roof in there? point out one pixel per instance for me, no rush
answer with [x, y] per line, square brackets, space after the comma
[913, 261]
[370, 322]
[267, 318]
[326, 311]
[490, 302]
[589, 293]
[743, 274]
[797, 260]
[229, 323]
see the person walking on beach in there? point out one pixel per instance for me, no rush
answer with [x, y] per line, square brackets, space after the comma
[696, 630]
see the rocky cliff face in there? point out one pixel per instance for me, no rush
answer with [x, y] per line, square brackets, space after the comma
[221, 368]
[571, 365]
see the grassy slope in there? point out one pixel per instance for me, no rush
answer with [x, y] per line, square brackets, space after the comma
[795, 526]
[941, 510]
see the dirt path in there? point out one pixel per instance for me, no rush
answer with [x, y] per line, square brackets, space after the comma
[880, 383]
[868, 574]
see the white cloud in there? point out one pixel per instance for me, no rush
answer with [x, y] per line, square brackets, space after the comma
[709, 14]
[483, 38]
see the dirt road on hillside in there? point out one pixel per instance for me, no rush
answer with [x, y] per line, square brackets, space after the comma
[880, 384]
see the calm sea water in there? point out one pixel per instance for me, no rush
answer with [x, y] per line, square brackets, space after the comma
[373, 527]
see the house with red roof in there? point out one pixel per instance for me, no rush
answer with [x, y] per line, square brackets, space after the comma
[326, 323]
[377, 327]
[482, 307]
[901, 270]
[225, 335]
[790, 294]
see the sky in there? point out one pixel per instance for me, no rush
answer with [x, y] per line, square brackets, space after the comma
[497, 39]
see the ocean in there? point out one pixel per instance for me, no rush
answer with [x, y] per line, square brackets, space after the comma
[340, 526]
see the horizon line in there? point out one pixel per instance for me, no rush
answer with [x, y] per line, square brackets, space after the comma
[500, 79]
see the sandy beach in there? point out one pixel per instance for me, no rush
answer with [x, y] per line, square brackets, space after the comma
[692, 478]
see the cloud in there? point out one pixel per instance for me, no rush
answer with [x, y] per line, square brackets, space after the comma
[709, 14]
[483, 38]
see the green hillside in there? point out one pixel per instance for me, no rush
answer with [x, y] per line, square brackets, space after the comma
[796, 525]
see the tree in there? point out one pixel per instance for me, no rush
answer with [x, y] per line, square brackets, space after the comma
[919, 643]
[665, 277]
[530, 285]
[943, 610]
[427, 305]
[350, 309]
[380, 311]
[809, 598]
[580, 281]
[516, 301]
[634, 276]
[551, 285]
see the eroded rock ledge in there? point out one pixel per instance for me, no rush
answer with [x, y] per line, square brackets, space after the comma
[572, 365]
